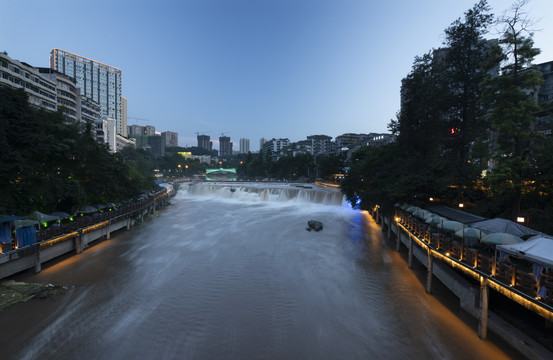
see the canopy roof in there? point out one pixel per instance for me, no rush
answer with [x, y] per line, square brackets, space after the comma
[40, 217]
[24, 223]
[8, 218]
[538, 250]
[503, 225]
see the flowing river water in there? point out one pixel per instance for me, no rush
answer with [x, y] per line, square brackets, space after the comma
[230, 272]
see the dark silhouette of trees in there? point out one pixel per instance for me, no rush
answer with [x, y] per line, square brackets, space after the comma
[49, 164]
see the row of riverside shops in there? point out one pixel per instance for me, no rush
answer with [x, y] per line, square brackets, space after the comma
[500, 270]
[27, 242]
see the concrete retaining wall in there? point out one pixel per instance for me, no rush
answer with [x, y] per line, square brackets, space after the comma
[35, 255]
[469, 298]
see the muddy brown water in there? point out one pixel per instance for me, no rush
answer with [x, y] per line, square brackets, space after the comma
[235, 275]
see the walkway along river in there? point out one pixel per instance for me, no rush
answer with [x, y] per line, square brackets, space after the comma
[232, 273]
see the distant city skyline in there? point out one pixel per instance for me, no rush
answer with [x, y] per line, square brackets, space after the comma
[251, 68]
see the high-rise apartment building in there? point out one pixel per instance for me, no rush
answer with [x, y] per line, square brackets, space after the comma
[97, 81]
[261, 142]
[171, 138]
[123, 126]
[150, 130]
[244, 146]
[48, 89]
[204, 142]
[136, 130]
[225, 146]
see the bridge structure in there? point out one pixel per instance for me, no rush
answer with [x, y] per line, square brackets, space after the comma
[221, 174]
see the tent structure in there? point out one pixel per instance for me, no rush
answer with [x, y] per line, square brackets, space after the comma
[5, 227]
[499, 225]
[41, 217]
[470, 235]
[422, 214]
[25, 223]
[450, 225]
[501, 239]
[412, 209]
[25, 236]
[538, 250]
[88, 210]
[5, 232]
[61, 215]
[435, 220]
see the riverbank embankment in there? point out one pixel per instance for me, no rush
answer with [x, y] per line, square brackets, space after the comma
[472, 286]
[77, 237]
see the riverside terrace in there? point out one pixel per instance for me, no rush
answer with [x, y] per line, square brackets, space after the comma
[47, 243]
[516, 278]
[513, 272]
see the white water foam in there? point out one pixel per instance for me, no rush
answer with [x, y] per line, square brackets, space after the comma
[265, 192]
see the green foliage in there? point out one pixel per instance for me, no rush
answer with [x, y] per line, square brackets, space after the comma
[330, 164]
[454, 118]
[296, 167]
[176, 165]
[512, 111]
[49, 164]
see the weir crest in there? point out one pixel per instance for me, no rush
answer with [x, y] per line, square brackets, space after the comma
[266, 192]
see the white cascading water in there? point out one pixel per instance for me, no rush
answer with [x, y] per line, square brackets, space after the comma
[267, 192]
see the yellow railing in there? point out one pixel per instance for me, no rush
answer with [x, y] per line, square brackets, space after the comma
[507, 290]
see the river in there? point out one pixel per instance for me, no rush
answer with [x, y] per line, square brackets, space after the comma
[230, 272]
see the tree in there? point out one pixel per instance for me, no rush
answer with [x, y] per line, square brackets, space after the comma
[512, 108]
[49, 164]
[330, 164]
[465, 52]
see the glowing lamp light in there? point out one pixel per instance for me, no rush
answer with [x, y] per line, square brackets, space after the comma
[461, 205]
[446, 254]
[431, 199]
[520, 219]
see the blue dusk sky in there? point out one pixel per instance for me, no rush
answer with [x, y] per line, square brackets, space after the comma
[250, 68]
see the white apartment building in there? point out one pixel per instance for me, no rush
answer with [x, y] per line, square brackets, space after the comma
[106, 132]
[19, 75]
[244, 146]
[68, 95]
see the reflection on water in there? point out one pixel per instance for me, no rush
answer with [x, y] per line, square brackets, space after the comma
[221, 277]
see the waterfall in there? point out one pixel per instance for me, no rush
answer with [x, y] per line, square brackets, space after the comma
[266, 192]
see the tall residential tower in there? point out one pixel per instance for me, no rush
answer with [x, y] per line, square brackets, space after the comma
[244, 146]
[97, 81]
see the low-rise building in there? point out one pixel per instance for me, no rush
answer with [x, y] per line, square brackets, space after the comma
[122, 142]
[275, 147]
[321, 144]
[106, 132]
